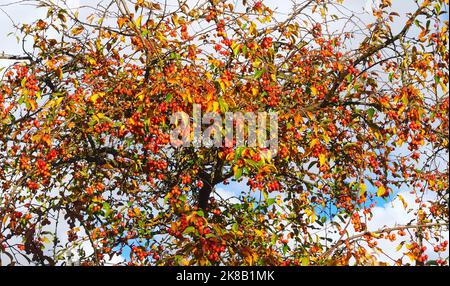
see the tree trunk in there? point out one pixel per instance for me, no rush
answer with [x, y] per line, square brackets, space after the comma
[203, 197]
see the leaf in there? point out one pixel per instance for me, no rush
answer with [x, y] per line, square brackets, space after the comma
[322, 159]
[400, 246]
[258, 74]
[4, 220]
[363, 189]
[370, 112]
[305, 261]
[62, 17]
[45, 240]
[237, 172]
[77, 30]
[175, 20]
[189, 229]
[382, 192]
[236, 48]
[405, 204]
[223, 105]
[313, 143]
[138, 21]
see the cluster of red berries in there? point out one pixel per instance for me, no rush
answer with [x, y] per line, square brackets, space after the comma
[274, 186]
[212, 248]
[42, 168]
[441, 247]
[102, 127]
[267, 43]
[32, 185]
[141, 253]
[416, 141]
[185, 179]
[52, 154]
[153, 165]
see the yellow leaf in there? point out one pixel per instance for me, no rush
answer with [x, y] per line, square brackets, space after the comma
[95, 96]
[326, 138]
[313, 143]
[254, 91]
[175, 20]
[313, 91]
[405, 204]
[400, 246]
[411, 256]
[363, 189]
[311, 215]
[138, 21]
[141, 95]
[322, 159]
[77, 30]
[33, 104]
[222, 85]
[5, 218]
[98, 116]
[36, 138]
[252, 29]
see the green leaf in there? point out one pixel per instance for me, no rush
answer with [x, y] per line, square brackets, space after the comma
[391, 75]
[258, 74]
[239, 151]
[106, 207]
[244, 49]
[285, 249]
[223, 105]
[237, 173]
[305, 261]
[209, 235]
[371, 112]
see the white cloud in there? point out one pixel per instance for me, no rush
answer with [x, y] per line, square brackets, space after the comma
[394, 214]
[227, 195]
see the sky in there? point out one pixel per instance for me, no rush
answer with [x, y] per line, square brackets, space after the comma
[385, 213]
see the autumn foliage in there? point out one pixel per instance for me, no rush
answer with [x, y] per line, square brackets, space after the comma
[85, 122]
